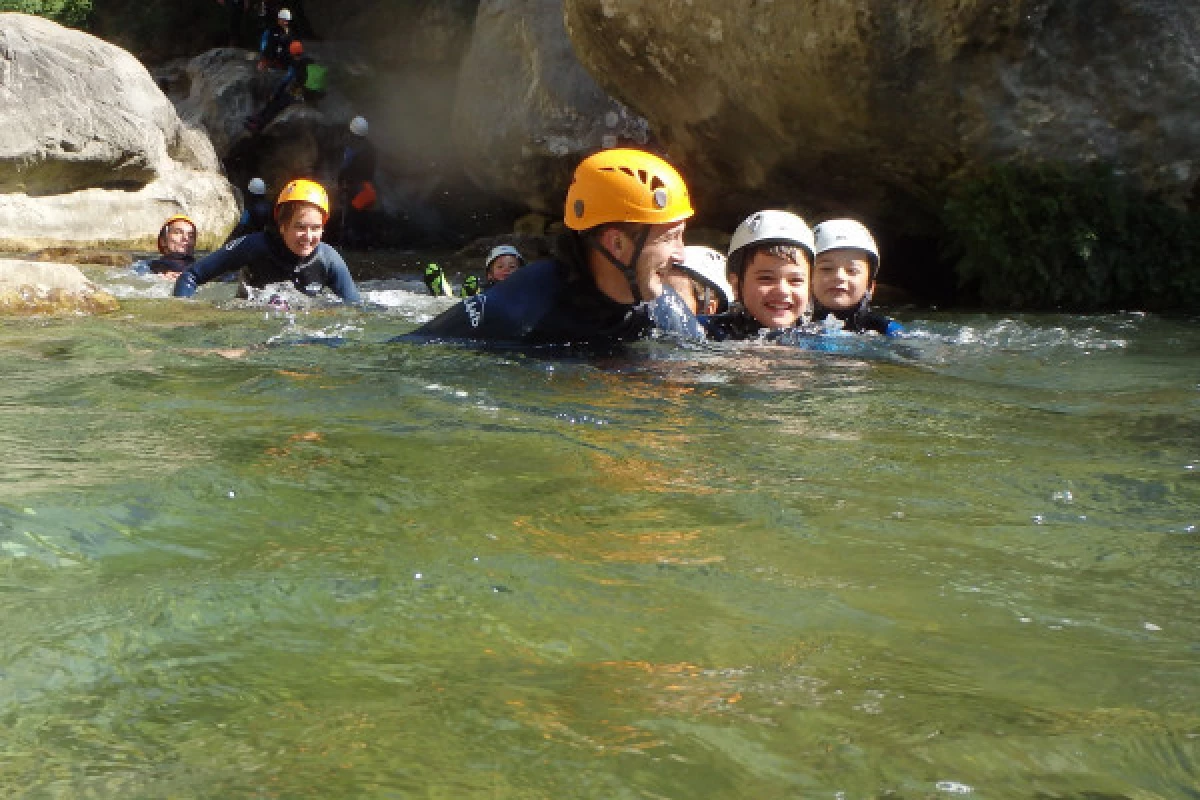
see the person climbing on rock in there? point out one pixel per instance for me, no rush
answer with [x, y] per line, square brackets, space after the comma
[303, 81]
[176, 246]
[844, 274]
[700, 280]
[626, 211]
[273, 49]
[770, 259]
[293, 253]
[256, 216]
[356, 183]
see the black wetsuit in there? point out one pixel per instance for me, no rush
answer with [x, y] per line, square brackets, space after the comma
[168, 263]
[256, 216]
[861, 318]
[274, 47]
[263, 258]
[550, 302]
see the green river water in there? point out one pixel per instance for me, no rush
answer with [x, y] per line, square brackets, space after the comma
[241, 561]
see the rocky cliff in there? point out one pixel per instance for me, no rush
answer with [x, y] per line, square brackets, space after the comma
[92, 152]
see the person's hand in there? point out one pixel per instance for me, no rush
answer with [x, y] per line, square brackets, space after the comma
[169, 276]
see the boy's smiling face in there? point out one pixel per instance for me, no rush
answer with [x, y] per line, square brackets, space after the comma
[774, 290]
[841, 278]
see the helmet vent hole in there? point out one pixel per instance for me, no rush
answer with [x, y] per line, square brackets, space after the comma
[642, 176]
[628, 172]
[656, 183]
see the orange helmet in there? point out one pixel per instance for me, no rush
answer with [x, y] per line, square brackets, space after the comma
[296, 48]
[303, 190]
[624, 185]
[162, 232]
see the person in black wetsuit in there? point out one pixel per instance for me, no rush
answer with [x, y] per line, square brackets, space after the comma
[177, 246]
[626, 211]
[273, 49]
[844, 273]
[293, 253]
[356, 182]
[256, 216]
[770, 259]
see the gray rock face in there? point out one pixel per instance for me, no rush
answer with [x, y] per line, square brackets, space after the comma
[875, 106]
[92, 153]
[526, 110]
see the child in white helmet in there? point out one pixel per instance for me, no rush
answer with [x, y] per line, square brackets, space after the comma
[701, 281]
[770, 260]
[501, 262]
[844, 273]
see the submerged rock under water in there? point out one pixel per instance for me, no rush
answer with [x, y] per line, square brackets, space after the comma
[30, 287]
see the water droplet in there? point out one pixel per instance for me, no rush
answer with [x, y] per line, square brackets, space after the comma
[1038, 519]
[475, 559]
[417, 576]
[1026, 619]
[1150, 626]
[232, 494]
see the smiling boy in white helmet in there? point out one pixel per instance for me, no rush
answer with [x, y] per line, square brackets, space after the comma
[844, 273]
[770, 258]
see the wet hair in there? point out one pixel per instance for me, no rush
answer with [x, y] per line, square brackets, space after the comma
[287, 211]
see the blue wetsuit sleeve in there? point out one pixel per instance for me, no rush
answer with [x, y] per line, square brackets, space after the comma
[338, 278]
[232, 256]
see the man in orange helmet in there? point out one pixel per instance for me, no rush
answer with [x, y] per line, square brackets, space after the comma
[176, 245]
[294, 253]
[625, 215]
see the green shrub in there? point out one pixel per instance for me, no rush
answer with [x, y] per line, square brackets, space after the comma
[68, 12]
[1074, 238]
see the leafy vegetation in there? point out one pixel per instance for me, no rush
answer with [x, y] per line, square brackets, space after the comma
[1072, 238]
[68, 12]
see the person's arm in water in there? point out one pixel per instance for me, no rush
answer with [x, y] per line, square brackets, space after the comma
[232, 256]
[338, 278]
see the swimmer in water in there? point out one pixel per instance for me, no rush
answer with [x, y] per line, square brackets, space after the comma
[770, 259]
[844, 273]
[626, 211]
[177, 247]
[294, 253]
[700, 280]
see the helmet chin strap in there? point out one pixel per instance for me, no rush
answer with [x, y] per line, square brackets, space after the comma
[628, 270]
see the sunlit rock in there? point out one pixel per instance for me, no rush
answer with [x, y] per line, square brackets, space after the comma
[31, 287]
[91, 152]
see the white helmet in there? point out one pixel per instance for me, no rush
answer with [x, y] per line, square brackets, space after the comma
[837, 234]
[503, 250]
[257, 186]
[358, 126]
[708, 266]
[284, 14]
[768, 227]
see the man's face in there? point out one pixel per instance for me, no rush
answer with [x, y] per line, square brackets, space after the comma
[774, 290]
[841, 278]
[663, 249]
[180, 239]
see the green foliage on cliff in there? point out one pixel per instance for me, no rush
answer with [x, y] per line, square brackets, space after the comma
[1072, 238]
[68, 12]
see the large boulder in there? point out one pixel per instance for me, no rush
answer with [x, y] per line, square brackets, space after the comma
[31, 287]
[877, 107]
[92, 152]
[526, 110]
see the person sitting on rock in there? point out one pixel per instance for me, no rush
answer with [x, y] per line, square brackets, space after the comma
[176, 245]
[273, 49]
[700, 280]
[293, 252]
[626, 211]
[844, 273]
[770, 259]
[356, 182]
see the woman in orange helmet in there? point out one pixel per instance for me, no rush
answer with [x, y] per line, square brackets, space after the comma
[293, 252]
[626, 211]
